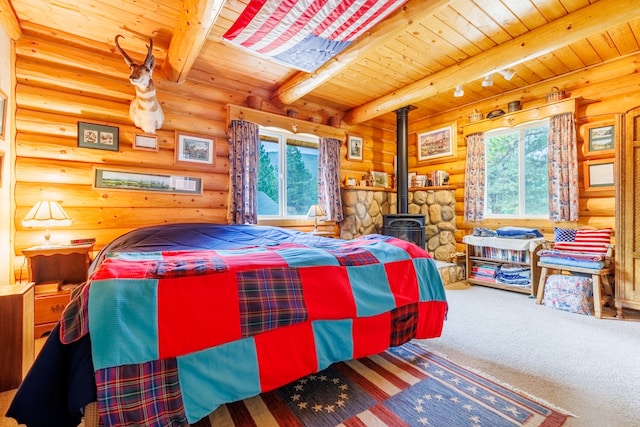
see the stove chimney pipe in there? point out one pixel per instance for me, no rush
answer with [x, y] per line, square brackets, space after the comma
[402, 137]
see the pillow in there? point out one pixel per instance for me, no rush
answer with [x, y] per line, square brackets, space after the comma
[587, 240]
[564, 234]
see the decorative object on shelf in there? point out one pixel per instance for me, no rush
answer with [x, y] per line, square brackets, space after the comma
[135, 181]
[145, 142]
[514, 106]
[335, 121]
[3, 112]
[254, 101]
[46, 214]
[599, 174]
[315, 117]
[495, 113]
[354, 148]
[436, 143]
[316, 212]
[145, 110]
[380, 179]
[556, 94]
[91, 135]
[600, 139]
[351, 181]
[192, 148]
[292, 112]
[475, 116]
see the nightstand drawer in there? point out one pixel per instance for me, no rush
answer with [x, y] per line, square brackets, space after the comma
[49, 308]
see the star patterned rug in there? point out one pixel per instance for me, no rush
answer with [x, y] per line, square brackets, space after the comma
[404, 386]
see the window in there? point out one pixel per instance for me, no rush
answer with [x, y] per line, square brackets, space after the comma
[516, 172]
[287, 173]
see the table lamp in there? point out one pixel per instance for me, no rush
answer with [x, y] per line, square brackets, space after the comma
[46, 213]
[315, 212]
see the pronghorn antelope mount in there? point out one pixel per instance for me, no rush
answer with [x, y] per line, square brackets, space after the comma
[145, 110]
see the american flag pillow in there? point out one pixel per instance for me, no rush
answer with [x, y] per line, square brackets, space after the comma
[564, 234]
[587, 240]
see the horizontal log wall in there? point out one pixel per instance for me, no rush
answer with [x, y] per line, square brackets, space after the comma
[604, 93]
[63, 81]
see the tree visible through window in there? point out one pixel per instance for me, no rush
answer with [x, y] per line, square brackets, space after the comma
[287, 173]
[516, 171]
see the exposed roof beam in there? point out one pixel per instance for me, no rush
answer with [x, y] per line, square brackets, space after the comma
[189, 36]
[9, 20]
[593, 19]
[401, 21]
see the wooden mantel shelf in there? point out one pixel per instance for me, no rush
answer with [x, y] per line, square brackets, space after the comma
[432, 188]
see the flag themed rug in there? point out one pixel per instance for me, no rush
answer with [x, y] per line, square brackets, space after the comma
[404, 386]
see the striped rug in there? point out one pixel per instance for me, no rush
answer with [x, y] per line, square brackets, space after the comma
[404, 386]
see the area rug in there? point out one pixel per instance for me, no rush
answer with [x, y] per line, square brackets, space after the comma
[404, 386]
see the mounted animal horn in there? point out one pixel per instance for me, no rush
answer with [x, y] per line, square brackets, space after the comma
[145, 110]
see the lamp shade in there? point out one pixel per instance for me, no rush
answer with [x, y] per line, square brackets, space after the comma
[46, 213]
[316, 211]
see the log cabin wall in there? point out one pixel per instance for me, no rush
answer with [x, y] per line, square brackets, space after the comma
[62, 81]
[604, 93]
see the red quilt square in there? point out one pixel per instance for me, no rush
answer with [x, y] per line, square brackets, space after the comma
[430, 315]
[112, 267]
[252, 261]
[275, 349]
[403, 282]
[371, 335]
[327, 293]
[197, 312]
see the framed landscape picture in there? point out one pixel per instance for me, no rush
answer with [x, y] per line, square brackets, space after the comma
[599, 139]
[380, 179]
[354, 148]
[191, 148]
[436, 143]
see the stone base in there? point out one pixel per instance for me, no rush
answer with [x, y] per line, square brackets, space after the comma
[453, 275]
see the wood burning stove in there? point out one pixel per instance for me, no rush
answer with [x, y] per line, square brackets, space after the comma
[407, 227]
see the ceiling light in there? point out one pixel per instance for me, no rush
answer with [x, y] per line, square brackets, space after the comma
[487, 81]
[458, 92]
[508, 73]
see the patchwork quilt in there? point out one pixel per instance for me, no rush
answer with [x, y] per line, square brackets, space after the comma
[175, 334]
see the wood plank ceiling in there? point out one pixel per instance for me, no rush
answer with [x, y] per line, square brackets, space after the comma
[416, 56]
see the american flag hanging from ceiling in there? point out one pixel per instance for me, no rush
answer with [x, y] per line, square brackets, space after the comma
[305, 33]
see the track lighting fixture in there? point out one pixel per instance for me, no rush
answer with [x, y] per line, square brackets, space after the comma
[508, 73]
[458, 92]
[487, 81]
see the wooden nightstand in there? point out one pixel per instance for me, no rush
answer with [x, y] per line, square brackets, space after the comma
[16, 334]
[55, 269]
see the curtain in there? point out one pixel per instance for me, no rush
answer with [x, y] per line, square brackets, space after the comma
[474, 178]
[329, 196]
[244, 140]
[563, 168]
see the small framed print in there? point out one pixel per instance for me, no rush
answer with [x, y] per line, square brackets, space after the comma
[380, 179]
[437, 143]
[599, 175]
[600, 139]
[354, 148]
[192, 148]
[146, 142]
[101, 137]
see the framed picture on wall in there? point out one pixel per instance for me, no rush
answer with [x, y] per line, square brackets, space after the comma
[354, 148]
[145, 142]
[436, 143]
[380, 179]
[101, 137]
[599, 175]
[191, 148]
[599, 139]
[3, 113]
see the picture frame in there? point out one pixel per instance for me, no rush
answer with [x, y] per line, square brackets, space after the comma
[136, 181]
[193, 148]
[146, 142]
[599, 139]
[354, 148]
[380, 179]
[101, 137]
[599, 175]
[3, 113]
[437, 143]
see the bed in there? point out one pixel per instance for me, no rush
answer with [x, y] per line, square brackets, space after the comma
[176, 320]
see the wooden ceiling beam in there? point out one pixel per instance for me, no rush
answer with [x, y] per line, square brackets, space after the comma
[593, 19]
[398, 23]
[190, 34]
[9, 20]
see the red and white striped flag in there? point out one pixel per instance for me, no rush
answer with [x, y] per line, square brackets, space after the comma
[305, 34]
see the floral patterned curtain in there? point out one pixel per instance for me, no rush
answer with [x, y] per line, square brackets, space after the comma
[329, 178]
[563, 168]
[244, 140]
[474, 178]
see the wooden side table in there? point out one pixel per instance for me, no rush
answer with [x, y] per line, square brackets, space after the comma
[16, 334]
[55, 269]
